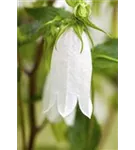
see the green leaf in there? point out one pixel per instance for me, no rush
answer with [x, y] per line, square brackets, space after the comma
[27, 52]
[17, 116]
[79, 132]
[114, 3]
[18, 74]
[94, 135]
[30, 32]
[114, 100]
[49, 148]
[46, 14]
[27, 33]
[22, 16]
[21, 37]
[59, 131]
[105, 58]
[85, 134]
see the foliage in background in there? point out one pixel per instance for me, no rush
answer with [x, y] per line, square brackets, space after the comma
[85, 134]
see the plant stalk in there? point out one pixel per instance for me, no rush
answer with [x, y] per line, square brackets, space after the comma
[20, 105]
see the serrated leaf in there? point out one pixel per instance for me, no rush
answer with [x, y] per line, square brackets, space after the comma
[103, 65]
[85, 134]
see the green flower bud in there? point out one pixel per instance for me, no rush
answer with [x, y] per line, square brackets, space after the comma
[73, 3]
[82, 10]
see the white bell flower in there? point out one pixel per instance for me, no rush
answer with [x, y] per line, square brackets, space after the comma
[69, 79]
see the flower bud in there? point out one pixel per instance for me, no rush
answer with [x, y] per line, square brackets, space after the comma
[82, 10]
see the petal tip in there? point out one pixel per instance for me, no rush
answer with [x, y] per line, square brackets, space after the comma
[86, 109]
[66, 104]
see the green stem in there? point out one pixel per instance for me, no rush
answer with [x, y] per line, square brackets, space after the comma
[31, 110]
[50, 2]
[107, 57]
[34, 129]
[115, 20]
[20, 105]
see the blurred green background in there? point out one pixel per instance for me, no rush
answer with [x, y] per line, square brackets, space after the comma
[99, 133]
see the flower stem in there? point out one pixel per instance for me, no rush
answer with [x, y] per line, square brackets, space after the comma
[20, 105]
[50, 2]
[32, 91]
[32, 119]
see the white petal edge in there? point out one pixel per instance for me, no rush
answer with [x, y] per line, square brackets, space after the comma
[53, 115]
[66, 103]
[49, 98]
[86, 106]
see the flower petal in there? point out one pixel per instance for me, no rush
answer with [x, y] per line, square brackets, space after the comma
[53, 115]
[70, 76]
[85, 106]
[49, 98]
[69, 120]
[66, 103]
[64, 71]
[65, 63]
[85, 75]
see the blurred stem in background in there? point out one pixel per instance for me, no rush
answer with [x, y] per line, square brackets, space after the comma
[50, 2]
[113, 109]
[107, 128]
[34, 129]
[32, 89]
[20, 105]
[115, 19]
